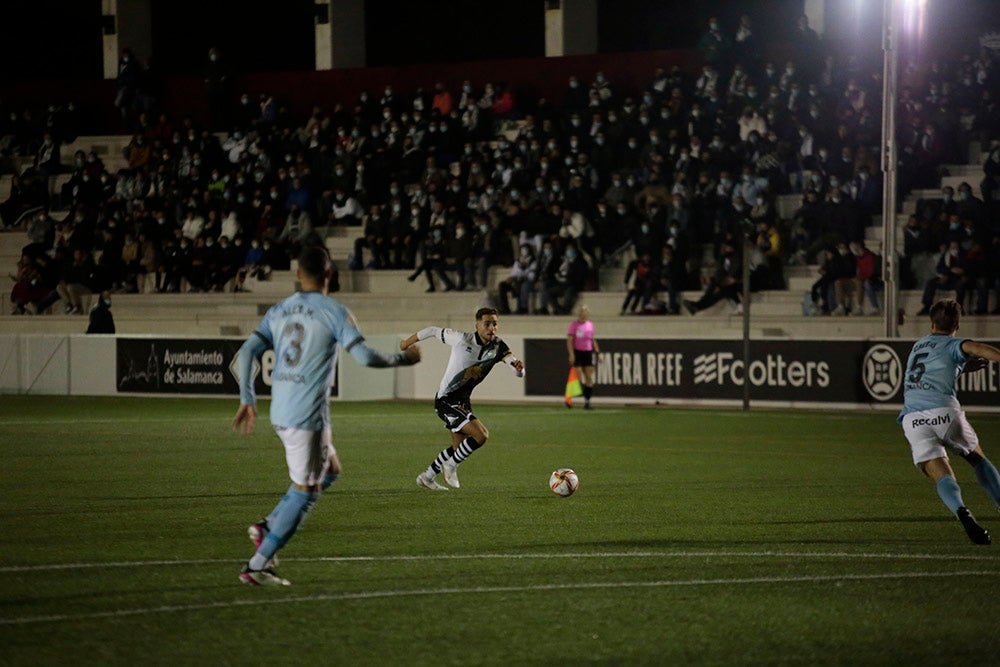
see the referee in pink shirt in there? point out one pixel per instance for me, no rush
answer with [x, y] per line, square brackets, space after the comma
[583, 351]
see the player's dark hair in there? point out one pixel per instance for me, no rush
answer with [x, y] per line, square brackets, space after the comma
[483, 312]
[314, 261]
[945, 315]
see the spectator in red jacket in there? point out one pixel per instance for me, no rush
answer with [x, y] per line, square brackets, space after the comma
[503, 105]
[442, 99]
[868, 280]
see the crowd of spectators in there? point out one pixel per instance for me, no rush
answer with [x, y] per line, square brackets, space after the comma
[447, 183]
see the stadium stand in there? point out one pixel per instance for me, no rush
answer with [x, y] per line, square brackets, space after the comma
[786, 156]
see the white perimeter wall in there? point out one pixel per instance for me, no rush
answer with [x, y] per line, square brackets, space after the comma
[85, 366]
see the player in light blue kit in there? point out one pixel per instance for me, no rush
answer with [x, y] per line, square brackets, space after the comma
[932, 419]
[306, 330]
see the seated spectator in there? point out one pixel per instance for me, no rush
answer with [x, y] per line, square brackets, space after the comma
[503, 106]
[346, 210]
[726, 283]
[434, 260]
[844, 273]
[575, 227]
[31, 285]
[867, 279]
[670, 278]
[375, 238]
[520, 281]
[983, 270]
[172, 267]
[483, 255]
[42, 229]
[398, 235]
[137, 153]
[149, 262]
[642, 288]
[77, 282]
[951, 275]
[458, 251]
[199, 265]
[47, 158]
[568, 280]
[298, 227]
[273, 260]
[28, 193]
[769, 273]
[131, 263]
[193, 225]
[990, 186]
[251, 266]
[991, 277]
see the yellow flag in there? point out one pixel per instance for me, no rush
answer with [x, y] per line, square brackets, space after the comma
[573, 386]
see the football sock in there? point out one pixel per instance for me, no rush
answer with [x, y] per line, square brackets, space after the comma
[436, 464]
[988, 478]
[950, 494]
[587, 392]
[328, 480]
[282, 524]
[465, 449]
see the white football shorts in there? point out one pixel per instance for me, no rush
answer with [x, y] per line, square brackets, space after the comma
[932, 433]
[306, 453]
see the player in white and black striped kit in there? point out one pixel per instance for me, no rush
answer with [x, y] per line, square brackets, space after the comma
[473, 356]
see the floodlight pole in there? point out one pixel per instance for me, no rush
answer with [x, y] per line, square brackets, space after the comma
[890, 256]
[747, 254]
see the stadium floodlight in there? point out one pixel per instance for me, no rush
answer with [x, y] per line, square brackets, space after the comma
[890, 269]
[899, 17]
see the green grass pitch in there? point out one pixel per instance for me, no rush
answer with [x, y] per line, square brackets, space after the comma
[697, 537]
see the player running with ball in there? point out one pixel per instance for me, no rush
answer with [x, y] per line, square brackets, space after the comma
[932, 418]
[473, 356]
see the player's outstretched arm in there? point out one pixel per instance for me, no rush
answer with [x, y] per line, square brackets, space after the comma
[446, 336]
[368, 356]
[979, 350]
[412, 340]
[515, 364]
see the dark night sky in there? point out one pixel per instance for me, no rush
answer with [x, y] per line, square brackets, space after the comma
[42, 39]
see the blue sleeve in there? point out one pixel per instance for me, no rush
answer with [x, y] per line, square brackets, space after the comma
[345, 327]
[368, 356]
[249, 351]
[956, 350]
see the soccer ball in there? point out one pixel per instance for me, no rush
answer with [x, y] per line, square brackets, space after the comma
[564, 482]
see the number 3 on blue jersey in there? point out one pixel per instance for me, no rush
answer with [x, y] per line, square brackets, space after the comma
[295, 334]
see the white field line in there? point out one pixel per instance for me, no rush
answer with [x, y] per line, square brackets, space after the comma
[734, 413]
[7, 569]
[480, 590]
[223, 419]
